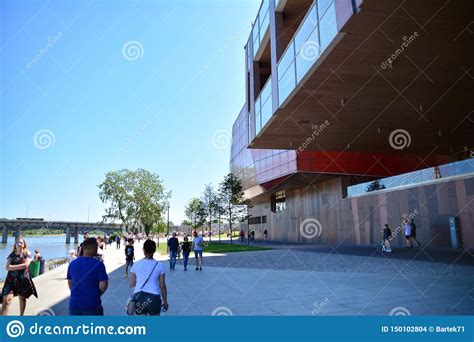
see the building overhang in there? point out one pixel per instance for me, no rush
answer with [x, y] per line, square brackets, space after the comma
[398, 78]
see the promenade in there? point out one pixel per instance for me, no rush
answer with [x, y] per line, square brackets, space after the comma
[284, 281]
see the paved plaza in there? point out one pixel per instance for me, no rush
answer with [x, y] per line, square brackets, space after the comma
[291, 280]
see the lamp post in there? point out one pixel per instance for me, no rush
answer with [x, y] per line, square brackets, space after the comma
[168, 223]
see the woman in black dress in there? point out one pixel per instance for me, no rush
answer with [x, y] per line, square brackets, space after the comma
[18, 281]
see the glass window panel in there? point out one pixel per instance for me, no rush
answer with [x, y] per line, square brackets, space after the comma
[307, 55]
[328, 27]
[306, 29]
[258, 122]
[286, 84]
[266, 111]
[286, 60]
[266, 91]
[256, 45]
[323, 6]
[264, 24]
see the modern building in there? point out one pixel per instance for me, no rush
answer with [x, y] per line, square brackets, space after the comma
[341, 93]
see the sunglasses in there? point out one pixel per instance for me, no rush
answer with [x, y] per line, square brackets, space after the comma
[20, 243]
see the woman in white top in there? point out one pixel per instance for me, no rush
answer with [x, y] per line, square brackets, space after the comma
[148, 278]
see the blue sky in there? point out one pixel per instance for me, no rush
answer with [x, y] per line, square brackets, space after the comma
[91, 86]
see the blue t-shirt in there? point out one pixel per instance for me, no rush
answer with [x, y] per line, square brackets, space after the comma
[86, 273]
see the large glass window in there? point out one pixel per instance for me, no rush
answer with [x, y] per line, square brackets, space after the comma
[315, 33]
[263, 106]
[262, 22]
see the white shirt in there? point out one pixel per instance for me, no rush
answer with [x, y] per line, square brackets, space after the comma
[407, 229]
[198, 242]
[142, 270]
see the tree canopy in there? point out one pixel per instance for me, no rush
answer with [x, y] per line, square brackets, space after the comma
[136, 198]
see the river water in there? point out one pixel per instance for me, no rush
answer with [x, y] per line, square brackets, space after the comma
[51, 247]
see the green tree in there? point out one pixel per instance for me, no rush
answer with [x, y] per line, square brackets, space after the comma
[195, 212]
[210, 202]
[232, 199]
[137, 198]
[375, 185]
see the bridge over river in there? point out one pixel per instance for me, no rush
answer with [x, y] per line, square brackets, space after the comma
[70, 228]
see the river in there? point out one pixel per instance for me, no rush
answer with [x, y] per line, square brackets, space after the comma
[50, 246]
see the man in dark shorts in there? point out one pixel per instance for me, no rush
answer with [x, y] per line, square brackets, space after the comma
[129, 256]
[87, 280]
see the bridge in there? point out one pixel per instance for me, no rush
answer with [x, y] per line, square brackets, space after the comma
[70, 228]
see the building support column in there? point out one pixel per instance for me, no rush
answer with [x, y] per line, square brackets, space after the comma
[68, 234]
[5, 234]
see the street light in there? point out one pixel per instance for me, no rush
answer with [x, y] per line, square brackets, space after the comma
[168, 223]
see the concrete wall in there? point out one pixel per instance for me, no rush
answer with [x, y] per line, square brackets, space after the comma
[319, 214]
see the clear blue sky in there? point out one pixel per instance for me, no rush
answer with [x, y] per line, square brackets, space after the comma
[66, 69]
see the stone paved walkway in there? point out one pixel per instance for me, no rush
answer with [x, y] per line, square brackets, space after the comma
[286, 282]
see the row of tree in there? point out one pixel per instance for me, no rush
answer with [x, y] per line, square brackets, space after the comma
[227, 203]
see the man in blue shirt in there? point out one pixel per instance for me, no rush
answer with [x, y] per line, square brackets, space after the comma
[87, 280]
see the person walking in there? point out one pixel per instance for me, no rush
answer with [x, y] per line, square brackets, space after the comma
[265, 235]
[129, 256]
[173, 245]
[18, 281]
[197, 246]
[413, 233]
[386, 235]
[242, 235]
[117, 242]
[80, 252]
[87, 280]
[147, 277]
[186, 248]
[408, 234]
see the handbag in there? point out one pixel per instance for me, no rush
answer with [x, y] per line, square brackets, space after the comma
[132, 301]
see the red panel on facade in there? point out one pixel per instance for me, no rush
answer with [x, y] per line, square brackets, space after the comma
[365, 163]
